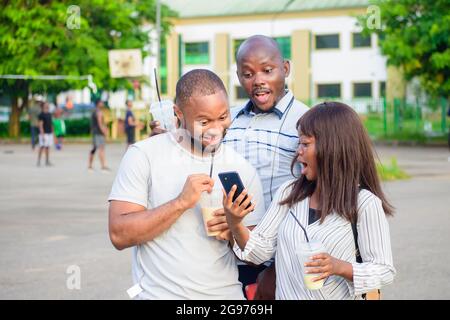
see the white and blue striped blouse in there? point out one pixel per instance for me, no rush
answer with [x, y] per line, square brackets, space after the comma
[279, 233]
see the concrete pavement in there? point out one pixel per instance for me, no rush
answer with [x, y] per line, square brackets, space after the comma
[54, 218]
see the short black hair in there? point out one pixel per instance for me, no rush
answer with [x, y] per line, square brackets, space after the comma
[197, 82]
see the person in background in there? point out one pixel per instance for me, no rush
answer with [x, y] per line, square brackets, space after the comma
[69, 104]
[33, 114]
[99, 132]
[130, 124]
[59, 127]
[45, 134]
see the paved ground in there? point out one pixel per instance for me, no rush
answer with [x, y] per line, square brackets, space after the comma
[54, 218]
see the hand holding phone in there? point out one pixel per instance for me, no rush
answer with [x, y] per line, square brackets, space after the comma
[228, 180]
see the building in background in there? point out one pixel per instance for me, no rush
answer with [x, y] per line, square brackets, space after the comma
[329, 56]
[330, 59]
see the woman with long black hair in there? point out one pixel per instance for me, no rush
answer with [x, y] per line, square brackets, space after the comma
[338, 188]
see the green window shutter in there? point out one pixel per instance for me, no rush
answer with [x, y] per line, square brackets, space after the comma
[360, 41]
[285, 46]
[328, 41]
[362, 90]
[196, 53]
[329, 90]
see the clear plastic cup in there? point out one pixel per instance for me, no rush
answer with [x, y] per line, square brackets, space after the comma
[305, 251]
[163, 112]
[210, 202]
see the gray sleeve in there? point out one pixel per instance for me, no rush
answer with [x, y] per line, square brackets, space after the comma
[132, 182]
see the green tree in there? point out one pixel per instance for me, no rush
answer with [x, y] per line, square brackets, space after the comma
[415, 35]
[42, 38]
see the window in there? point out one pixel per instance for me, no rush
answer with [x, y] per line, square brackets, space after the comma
[329, 90]
[360, 41]
[196, 53]
[362, 90]
[328, 41]
[240, 93]
[285, 46]
[382, 89]
[236, 44]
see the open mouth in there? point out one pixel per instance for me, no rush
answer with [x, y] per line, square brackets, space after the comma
[261, 96]
[304, 167]
[212, 139]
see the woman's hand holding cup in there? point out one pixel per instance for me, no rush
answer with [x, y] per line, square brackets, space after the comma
[323, 264]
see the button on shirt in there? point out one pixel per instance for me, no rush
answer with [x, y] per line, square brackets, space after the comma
[268, 140]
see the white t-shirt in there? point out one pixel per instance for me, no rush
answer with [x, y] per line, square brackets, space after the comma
[183, 262]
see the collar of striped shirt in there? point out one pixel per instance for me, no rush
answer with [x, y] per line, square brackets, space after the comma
[278, 109]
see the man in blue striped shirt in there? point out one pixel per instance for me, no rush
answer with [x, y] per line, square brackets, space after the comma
[264, 130]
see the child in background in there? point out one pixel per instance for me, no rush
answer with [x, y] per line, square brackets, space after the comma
[60, 127]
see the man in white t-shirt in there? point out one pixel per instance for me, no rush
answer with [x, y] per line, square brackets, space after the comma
[154, 200]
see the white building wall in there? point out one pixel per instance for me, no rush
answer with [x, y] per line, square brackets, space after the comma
[345, 65]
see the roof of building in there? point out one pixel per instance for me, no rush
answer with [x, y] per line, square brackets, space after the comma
[215, 8]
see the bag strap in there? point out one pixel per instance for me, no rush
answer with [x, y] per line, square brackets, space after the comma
[355, 238]
[374, 294]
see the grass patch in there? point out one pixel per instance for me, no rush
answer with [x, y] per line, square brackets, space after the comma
[408, 130]
[391, 171]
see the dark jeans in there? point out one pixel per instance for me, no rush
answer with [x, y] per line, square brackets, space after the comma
[34, 136]
[249, 274]
[130, 135]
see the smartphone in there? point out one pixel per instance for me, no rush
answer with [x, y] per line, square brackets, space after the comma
[229, 179]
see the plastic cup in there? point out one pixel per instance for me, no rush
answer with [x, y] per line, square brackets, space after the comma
[210, 202]
[305, 251]
[163, 112]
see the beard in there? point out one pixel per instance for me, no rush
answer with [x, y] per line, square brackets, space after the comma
[196, 138]
[210, 148]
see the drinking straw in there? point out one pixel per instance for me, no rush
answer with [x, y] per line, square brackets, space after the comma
[304, 230]
[157, 85]
[157, 91]
[212, 163]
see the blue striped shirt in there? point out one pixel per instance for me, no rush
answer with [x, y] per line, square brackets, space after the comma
[268, 140]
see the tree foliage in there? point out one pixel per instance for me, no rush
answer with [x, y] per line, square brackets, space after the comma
[415, 35]
[38, 38]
